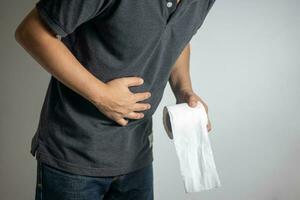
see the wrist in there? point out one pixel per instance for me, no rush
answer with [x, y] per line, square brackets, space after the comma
[98, 94]
[181, 91]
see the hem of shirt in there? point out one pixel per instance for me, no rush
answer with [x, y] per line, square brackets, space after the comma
[90, 171]
[52, 24]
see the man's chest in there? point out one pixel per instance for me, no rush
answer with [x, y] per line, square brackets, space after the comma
[129, 28]
[145, 18]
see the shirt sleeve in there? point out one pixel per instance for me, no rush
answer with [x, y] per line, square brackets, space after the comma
[64, 16]
[204, 14]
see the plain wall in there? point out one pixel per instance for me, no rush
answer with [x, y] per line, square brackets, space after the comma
[245, 64]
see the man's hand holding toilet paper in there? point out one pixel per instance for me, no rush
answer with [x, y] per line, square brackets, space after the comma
[190, 97]
[187, 124]
[181, 84]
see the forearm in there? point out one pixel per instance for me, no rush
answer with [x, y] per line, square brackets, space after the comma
[180, 79]
[56, 58]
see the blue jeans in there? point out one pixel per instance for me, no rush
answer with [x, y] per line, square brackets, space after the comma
[54, 184]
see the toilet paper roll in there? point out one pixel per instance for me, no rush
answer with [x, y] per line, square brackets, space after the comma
[187, 127]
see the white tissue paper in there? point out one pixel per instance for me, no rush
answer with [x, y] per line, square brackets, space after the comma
[187, 126]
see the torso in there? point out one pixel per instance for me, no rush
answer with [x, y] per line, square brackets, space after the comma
[131, 38]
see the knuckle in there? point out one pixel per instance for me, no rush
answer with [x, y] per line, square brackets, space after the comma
[137, 115]
[123, 112]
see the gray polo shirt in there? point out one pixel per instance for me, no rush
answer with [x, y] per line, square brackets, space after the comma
[112, 39]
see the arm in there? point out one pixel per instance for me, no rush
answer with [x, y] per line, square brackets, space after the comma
[180, 79]
[180, 82]
[55, 58]
[113, 98]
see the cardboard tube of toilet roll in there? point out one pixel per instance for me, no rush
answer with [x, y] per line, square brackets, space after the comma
[166, 122]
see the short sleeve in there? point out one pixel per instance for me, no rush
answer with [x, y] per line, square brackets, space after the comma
[210, 4]
[64, 16]
[204, 12]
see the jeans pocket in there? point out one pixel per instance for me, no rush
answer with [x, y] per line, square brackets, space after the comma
[39, 183]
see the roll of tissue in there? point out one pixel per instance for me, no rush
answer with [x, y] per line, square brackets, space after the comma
[187, 127]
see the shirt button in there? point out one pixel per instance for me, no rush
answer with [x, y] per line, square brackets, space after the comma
[169, 4]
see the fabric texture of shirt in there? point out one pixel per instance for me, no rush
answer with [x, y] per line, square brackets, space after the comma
[111, 39]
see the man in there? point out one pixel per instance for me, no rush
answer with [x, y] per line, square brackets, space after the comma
[109, 62]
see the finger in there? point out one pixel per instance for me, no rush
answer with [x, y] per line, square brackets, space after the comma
[141, 96]
[209, 127]
[122, 121]
[204, 104]
[141, 106]
[134, 115]
[192, 101]
[133, 81]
